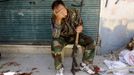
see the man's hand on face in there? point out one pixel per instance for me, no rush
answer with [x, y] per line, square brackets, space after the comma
[60, 13]
[79, 29]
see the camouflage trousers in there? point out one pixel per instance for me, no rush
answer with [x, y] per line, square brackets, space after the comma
[85, 41]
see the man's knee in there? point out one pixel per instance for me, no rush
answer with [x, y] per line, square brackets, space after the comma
[90, 41]
[87, 40]
[56, 47]
[91, 46]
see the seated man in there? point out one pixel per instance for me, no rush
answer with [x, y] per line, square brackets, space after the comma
[65, 24]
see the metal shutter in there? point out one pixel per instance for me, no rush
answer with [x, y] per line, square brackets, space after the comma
[28, 21]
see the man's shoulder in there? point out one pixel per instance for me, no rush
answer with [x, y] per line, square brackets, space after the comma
[72, 10]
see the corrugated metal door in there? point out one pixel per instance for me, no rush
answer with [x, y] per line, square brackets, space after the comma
[28, 21]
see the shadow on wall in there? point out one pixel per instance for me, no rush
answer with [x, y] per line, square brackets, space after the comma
[114, 36]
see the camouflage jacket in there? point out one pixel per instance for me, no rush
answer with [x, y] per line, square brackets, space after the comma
[68, 24]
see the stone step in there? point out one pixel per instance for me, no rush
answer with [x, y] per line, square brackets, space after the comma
[34, 49]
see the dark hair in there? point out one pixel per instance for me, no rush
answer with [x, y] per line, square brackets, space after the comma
[56, 3]
[129, 47]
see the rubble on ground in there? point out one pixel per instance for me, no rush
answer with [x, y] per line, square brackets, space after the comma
[8, 72]
[121, 62]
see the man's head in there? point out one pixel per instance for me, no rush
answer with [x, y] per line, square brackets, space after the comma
[130, 45]
[59, 9]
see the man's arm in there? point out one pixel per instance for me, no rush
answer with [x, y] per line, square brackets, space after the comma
[56, 22]
[56, 29]
[79, 25]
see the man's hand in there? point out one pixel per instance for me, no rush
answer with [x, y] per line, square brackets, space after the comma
[60, 14]
[79, 29]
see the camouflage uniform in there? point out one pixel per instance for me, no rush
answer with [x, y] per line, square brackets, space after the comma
[65, 34]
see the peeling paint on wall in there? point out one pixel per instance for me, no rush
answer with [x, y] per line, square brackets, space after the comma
[116, 24]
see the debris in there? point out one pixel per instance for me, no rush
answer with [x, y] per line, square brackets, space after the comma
[15, 73]
[5, 71]
[113, 56]
[106, 72]
[116, 65]
[8, 73]
[34, 69]
[96, 69]
[127, 56]
[24, 73]
[18, 72]
[9, 64]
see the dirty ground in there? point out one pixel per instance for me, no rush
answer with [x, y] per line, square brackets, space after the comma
[39, 64]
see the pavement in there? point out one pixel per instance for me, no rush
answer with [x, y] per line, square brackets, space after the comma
[41, 64]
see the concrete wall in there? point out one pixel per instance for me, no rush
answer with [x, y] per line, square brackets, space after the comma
[116, 24]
